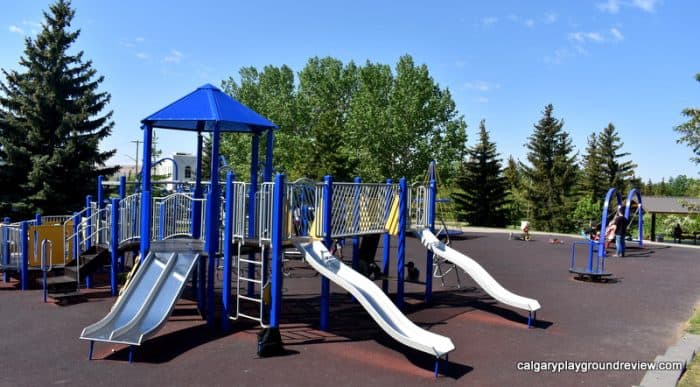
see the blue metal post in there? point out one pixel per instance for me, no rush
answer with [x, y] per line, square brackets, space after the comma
[37, 219]
[6, 248]
[24, 268]
[122, 195]
[122, 187]
[100, 193]
[255, 149]
[328, 241]
[88, 234]
[145, 243]
[228, 254]
[88, 223]
[212, 222]
[278, 218]
[114, 242]
[76, 235]
[604, 220]
[356, 225]
[386, 246]
[429, 257]
[196, 227]
[640, 215]
[267, 173]
[401, 250]
[44, 275]
[202, 268]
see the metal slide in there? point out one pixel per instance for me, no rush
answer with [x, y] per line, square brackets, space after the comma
[477, 272]
[373, 299]
[149, 299]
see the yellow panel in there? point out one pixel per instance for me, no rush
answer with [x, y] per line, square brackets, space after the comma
[52, 233]
[392, 223]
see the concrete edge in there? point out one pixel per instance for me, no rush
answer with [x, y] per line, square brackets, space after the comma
[683, 350]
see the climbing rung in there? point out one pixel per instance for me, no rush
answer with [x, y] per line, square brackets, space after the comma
[249, 317]
[249, 298]
[257, 281]
[250, 261]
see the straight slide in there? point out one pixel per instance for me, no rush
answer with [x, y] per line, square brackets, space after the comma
[477, 272]
[147, 302]
[373, 299]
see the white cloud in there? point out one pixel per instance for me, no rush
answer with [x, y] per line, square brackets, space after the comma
[482, 100]
[578, 36]
[559, 56]
[175, 56]
[142, 55]
[611, 35]
[482, 86]
[646, 5]
[16, 30]
[613, 6]
[140, 39]
[595, 36]
[529, 23]
[616, 34]
[489, 21]
[550, 18]
[460, 63]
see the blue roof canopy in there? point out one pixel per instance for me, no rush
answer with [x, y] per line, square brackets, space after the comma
[200, 109]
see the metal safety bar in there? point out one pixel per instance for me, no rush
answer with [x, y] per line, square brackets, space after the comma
[172, 215]
[44, 267]
[129, 218]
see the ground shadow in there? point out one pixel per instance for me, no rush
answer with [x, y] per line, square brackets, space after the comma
[597, 279]
[466, 300]
[164, 348]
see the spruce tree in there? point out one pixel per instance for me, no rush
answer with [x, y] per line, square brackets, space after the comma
[515, 202]
[616, 172]
[482, 186]
[593, 185]
[51, 123]
[550, 178]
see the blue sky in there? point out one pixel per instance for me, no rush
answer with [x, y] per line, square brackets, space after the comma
[628, 62]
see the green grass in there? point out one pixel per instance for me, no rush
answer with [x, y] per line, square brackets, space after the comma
[691, 377]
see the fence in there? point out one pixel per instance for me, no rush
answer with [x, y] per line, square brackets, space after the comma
[11, 253]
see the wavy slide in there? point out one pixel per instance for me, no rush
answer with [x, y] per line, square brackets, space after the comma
[477, 272]
[147, 302]
[373, 299]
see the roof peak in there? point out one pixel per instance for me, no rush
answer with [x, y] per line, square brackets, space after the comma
[208, 86]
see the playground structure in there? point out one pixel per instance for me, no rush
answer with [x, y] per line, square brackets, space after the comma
[248, 225]
[595, 268]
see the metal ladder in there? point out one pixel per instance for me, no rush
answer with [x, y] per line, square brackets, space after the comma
[242, 281]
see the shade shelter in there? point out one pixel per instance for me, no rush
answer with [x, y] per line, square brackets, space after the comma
[669, 205]
[207, 109]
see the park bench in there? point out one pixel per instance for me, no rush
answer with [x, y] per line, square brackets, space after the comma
[689, 236]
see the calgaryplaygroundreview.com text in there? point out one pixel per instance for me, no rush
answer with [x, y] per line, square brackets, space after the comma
[594, 366]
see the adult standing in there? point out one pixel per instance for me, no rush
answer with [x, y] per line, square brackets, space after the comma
[620, 224]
